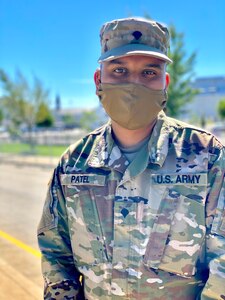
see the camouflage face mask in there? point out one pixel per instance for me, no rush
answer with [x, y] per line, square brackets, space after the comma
[132, 106]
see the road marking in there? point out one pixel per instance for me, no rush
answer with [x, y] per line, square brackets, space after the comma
[20, 244]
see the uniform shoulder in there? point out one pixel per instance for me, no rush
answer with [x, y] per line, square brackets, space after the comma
[178, 124]
[193, 130]
[184, 125]
[83, 145]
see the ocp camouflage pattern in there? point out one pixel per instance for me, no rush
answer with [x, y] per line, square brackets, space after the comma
[136, 32]
[151, 229]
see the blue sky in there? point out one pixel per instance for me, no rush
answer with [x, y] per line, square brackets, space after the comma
[58, 41]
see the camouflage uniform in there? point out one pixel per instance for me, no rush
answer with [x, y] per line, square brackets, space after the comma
[151, 229]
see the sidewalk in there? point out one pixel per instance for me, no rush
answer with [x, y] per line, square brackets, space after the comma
[29, 160]
[14, 285]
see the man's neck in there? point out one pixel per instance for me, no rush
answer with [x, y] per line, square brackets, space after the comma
[129, 138]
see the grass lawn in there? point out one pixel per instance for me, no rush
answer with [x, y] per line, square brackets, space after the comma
[43, 150]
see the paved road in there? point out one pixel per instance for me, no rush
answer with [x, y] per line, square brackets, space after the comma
[22, 193]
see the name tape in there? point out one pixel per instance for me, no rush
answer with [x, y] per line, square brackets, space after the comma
[82, 179]
[188, 179]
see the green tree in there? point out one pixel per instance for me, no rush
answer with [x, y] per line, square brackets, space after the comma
[1, 116]
[70, 121]
[21, 100]
[221, 108]
[44, 117]
[181, 73]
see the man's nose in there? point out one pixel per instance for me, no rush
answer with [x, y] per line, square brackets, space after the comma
[135, 78]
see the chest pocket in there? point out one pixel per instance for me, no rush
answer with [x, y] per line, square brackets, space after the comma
[179, 229]
[85, 228]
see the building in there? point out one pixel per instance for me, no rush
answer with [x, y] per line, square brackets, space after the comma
[204, 105]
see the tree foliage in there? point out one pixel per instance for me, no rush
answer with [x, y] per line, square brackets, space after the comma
[181, 73]
[70, 121]
[24, 103]
[1, 116]
[44, 117]
[221, 109]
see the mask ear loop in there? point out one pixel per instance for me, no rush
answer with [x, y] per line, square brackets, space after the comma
[165, 99]
[166, 94]
[98, 91]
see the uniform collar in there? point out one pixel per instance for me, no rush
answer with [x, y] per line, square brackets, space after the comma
[159, 141]
[105, 152]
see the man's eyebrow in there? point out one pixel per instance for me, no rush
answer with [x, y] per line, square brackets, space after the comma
[158, 66]
[119, 62]
[115, 62]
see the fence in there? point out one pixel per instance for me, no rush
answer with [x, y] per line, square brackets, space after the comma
[46, 137]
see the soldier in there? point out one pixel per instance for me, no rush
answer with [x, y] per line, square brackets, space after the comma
[135, 209]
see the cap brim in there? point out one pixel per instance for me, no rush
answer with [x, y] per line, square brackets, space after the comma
[133, 49]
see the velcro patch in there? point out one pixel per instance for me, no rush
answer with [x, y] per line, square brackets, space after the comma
[179, 179]
[82, 179]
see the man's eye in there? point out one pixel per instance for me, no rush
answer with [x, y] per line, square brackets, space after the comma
[120, 70]
[149, 72]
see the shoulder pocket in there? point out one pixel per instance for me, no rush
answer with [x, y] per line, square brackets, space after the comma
[221, 229]
[218, 225]
[49, 216]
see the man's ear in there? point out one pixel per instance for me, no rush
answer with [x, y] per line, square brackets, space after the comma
[167, 79]
[97, 79]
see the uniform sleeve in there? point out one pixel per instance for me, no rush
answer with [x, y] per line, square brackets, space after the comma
[62, 280]
[215, 237]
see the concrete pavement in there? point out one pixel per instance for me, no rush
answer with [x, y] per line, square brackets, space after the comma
[20, 271]
[29, 160]
[14, 285]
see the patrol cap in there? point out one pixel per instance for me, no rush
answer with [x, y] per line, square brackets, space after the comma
[134, 36]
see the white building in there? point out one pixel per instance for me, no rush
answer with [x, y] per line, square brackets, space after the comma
[205, 104]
